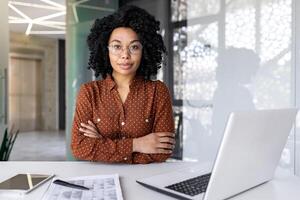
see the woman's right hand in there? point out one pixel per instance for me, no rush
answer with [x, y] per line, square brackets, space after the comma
[89, 130]
[161, 142]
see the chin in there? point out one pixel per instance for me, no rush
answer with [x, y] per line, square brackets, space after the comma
[126, 72]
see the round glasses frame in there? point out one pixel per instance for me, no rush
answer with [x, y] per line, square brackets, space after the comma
[117, 51]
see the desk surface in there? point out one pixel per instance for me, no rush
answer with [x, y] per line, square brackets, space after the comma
[283, 186]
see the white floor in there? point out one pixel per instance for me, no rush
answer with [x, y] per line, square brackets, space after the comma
[39, 146]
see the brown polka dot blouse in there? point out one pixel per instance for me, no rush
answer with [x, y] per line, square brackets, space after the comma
[147, 109]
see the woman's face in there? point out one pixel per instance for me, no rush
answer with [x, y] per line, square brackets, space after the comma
[125, 51]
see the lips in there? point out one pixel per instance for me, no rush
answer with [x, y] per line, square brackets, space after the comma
[125, 66]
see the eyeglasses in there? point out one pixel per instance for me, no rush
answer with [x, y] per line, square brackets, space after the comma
[133, 49]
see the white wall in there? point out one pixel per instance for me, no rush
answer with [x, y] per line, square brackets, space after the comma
[240, 55]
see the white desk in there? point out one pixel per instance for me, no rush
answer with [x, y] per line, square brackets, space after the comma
[283, 186]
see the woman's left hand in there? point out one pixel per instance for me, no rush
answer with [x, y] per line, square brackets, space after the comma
[89, 130]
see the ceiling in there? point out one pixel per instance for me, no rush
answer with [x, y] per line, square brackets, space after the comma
[38, 17]
[48, 17]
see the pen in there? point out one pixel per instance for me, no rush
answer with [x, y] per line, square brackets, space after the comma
[71, 185]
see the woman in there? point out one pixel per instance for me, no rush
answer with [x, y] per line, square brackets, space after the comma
[125, 117]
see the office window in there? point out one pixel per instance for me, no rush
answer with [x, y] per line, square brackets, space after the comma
[233, 55]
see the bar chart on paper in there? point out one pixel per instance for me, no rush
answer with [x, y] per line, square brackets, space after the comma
[106, 187]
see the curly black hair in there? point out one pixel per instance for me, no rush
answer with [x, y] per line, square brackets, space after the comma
[147, 29]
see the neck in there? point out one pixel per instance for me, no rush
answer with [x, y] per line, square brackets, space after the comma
[122, 81]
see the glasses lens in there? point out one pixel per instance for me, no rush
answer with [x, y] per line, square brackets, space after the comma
[135, 48]
[117, 49]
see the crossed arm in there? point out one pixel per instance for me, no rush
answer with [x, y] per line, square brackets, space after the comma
[160, 142]
[89, 144]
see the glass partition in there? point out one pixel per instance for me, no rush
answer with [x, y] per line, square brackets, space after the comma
[80, 17]
[235, 55]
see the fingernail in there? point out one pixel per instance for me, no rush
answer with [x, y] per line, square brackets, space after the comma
[81, 124]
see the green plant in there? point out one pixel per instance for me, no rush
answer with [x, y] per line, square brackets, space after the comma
[7, 144]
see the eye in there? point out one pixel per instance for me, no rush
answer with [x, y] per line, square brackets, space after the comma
[116, 46]
[135, 47]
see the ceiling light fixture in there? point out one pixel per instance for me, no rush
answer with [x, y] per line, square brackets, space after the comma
[47, 32]
[28, 29]
[54, 4]
[41, 21]
[17, 3]
[46, 21]
[18, 11]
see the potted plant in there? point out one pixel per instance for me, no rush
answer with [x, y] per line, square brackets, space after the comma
[7, 144]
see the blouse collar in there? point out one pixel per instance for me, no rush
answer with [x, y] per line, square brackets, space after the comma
[137, 81]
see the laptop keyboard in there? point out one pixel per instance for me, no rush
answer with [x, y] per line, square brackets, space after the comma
[192, 186]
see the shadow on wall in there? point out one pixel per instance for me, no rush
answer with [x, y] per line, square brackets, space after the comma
[236, 69]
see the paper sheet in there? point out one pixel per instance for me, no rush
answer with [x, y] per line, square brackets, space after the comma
[103, 187]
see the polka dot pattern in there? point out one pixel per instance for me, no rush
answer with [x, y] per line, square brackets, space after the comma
[147, 109]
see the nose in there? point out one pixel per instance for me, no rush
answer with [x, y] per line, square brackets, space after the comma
[125, 53]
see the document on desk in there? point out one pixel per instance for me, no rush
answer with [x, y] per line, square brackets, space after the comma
[104, 187]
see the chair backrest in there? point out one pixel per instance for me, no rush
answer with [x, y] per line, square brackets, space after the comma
[178, 150]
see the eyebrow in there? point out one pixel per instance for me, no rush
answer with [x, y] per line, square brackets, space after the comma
[121, 42]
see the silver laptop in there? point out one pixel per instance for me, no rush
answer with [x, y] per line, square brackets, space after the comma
[248, 156]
